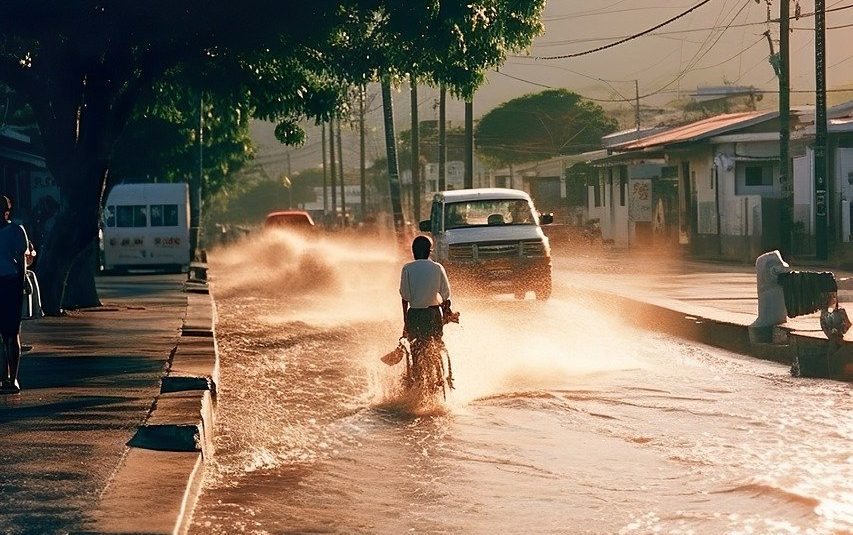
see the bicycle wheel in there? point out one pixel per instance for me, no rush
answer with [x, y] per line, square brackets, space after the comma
[428, 368]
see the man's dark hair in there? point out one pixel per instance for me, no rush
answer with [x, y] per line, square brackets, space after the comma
[421, 246]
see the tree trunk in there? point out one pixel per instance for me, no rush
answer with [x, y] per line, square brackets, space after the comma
[333, 173]
[442, 139]
[71, 244]
[469, 144]
[391, 151]
[80, 289]
[341, 174]
[78, 134]
[361, 152]
[416, 152]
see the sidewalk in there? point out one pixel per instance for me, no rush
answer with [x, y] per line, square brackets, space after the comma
[88, 384]
[710, 302]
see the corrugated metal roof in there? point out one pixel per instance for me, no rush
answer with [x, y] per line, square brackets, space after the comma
[568, 160]
[699, 130]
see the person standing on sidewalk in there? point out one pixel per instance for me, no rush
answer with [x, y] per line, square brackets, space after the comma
[13, 250]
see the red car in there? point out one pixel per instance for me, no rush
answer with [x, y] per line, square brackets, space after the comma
[292, 219]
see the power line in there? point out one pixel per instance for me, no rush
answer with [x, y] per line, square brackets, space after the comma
[630, 37]
[674, 32]
[523, 80]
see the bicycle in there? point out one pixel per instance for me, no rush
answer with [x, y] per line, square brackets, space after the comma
[425, 367]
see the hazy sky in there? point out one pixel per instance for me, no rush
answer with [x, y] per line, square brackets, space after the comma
[721, 42]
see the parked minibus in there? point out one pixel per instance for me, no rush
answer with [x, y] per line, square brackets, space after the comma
[147, 226]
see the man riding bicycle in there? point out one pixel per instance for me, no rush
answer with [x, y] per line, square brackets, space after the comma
[425, 293]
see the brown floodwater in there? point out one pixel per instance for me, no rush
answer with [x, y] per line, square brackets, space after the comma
[565, 418]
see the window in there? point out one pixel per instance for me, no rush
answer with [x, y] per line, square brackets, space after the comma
[110, 216]
[131, 216]
[488, 212]
[757, 175]
[164, 215]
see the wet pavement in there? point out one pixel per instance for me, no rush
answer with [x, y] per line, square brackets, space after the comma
[87, 385]
[567, 418]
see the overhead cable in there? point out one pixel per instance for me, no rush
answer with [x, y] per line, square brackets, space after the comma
[630, 37]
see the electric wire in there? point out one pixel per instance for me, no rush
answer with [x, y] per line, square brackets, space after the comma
[630, 37]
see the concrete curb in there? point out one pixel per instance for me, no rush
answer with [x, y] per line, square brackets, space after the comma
[825, 358]
[155, 488]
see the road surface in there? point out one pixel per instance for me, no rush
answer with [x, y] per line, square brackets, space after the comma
[566, 418]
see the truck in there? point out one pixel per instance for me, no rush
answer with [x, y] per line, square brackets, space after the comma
[146, 226]
[490, 239]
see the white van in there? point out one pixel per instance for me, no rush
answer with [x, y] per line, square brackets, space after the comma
[147, 226]
[491, 238]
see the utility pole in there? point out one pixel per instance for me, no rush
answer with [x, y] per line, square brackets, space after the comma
[325, 176]
[637, 101]
[416, 151]
[784, 126]
[820, 168]
[196, 185]
[469, 143]
[442, 139]
[332, 176]
[362, 171]
[341, 174]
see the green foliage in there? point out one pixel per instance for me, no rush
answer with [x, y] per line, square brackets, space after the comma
[578, 178]
[428, 142]
[86, 66]
[540, 126]
[250, 206]
[254, 194]
[161, 140]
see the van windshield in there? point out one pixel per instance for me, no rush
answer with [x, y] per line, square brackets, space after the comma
[488, 212]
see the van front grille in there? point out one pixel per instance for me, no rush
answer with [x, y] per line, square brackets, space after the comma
[533, 248]
[497, 250]
[461, 253]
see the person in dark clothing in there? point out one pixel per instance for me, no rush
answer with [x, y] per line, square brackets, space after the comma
[13, 250]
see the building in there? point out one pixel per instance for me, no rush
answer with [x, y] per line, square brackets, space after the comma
[728, 191]
[25, 178]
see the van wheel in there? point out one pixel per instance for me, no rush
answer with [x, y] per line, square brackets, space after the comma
[543, 292]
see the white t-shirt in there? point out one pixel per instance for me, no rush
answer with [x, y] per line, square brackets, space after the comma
[423, 283]
[13, 245]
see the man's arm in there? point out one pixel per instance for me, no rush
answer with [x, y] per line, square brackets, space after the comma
[405, 309]
[444, 285]
[404, 295]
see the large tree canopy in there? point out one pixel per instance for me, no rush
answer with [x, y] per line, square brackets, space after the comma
[540, 126]
[84, 64]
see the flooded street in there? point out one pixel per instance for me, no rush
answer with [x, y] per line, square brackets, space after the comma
[565, 418]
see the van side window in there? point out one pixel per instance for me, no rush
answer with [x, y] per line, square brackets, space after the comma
[131, 216]
[164, 215]
[110, 216]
